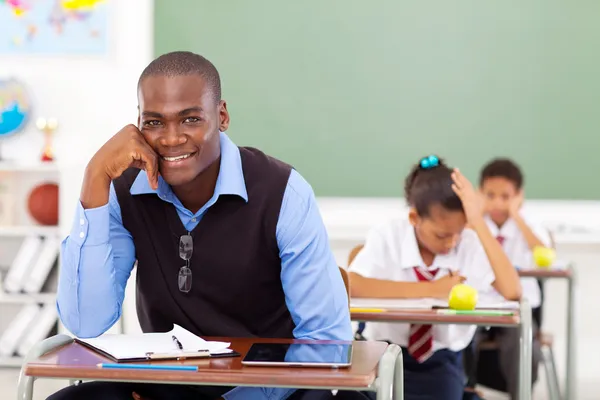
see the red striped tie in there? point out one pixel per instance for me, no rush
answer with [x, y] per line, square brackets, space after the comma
[420, 341]
[500, 239]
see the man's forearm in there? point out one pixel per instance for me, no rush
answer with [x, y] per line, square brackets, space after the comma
[89, 299]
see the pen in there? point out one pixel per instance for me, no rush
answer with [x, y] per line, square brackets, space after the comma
[476, 312]
[177, 342]
[366, 310]
[149, 366]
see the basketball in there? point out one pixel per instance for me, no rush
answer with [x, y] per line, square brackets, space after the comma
[43, 204]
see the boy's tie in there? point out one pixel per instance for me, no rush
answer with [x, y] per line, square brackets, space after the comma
[420, 340]
[500, 239]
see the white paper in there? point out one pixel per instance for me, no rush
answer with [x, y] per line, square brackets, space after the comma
[122, 346]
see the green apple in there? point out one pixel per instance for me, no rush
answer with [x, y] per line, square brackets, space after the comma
[463, 297]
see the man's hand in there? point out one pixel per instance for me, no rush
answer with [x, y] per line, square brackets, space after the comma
[127, 148]
[470, 198]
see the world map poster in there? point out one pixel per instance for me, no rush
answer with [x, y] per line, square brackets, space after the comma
[53, 26]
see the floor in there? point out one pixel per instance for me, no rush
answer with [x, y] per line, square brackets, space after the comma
[44, 387]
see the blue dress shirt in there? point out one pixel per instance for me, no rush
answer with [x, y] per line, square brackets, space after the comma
[99, 254]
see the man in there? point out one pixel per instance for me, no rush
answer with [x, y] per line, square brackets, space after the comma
[229, 241]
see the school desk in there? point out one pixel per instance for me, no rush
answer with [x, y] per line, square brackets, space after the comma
[563, 272]
[404, 312]
[60, 357]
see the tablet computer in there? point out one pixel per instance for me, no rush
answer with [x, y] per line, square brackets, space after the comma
[299, 355]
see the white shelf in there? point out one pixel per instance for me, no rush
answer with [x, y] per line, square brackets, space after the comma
[30, 167]
[14, 361]
[25, 298]
[24, 230]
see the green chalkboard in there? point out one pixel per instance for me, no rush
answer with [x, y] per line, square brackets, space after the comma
[353, 92]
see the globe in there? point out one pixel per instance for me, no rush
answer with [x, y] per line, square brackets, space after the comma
[14, 107]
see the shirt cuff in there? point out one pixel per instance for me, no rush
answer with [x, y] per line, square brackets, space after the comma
[91, 227]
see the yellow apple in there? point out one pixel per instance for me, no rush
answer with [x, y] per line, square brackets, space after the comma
[463, 297]
[543, 256]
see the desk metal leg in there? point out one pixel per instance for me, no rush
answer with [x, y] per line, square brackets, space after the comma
[390, 375]
[570, 373]
[25, 384]
[525, 353]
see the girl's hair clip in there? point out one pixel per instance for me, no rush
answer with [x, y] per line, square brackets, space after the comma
[429, 162]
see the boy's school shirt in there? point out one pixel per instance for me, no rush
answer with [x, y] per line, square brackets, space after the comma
[516, 248]
[391, 253]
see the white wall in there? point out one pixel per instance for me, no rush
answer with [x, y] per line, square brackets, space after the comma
[92, 97]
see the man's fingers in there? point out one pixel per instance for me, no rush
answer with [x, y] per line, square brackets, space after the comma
[150, 159]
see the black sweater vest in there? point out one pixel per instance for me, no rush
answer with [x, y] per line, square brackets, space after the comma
[236, 284]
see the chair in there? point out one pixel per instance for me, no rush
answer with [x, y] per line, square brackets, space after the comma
[355, 250]
[488, 355]
[358, 335]
[346, 280]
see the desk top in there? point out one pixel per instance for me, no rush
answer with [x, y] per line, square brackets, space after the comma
[74, 361]
[542, 273]
[429, 316]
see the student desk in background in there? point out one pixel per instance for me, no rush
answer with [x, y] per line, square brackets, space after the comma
[567, 273]
[60, 357]
[420, 312]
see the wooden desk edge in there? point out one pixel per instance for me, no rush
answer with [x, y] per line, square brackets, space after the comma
[207, 378]
[245, 376]
[421, 316]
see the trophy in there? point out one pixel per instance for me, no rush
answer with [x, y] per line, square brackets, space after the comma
[48, 127]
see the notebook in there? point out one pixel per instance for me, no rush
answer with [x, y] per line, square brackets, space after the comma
[153, 346]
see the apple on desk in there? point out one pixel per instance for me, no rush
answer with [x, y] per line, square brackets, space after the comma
[463, 297]
[543, 256]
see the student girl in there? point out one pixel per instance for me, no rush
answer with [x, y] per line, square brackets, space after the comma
[424, 256]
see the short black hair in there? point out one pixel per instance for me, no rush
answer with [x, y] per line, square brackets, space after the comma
[503, 168]
[425, 187]
[178, 63]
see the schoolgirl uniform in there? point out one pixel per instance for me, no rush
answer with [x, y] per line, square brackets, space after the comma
[433, 366]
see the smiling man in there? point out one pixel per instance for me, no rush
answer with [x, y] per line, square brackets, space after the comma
[229, 241]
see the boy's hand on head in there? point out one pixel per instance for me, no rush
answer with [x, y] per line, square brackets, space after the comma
[470, 198]
[443, 286]
[515, 205]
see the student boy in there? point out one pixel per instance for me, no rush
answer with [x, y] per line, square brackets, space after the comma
[229, 241]
[501, 184]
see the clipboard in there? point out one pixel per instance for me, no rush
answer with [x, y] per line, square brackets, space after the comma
[178, 344]
[152, 356]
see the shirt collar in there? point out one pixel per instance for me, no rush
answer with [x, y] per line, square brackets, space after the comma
[229, 181]
[410, 255]
[509, 229]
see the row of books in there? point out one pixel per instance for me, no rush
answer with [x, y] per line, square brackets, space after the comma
[32, 264]
[32, 324]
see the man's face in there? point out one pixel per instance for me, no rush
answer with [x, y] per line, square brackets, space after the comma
[180, 119]
[440, 231]
[498, 193]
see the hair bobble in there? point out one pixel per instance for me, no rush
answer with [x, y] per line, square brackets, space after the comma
[429, 162]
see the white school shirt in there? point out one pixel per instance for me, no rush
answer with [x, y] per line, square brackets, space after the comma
[516, 248]
[391, 252]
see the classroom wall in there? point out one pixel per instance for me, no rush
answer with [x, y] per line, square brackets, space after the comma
[92, 97]
[354, 92]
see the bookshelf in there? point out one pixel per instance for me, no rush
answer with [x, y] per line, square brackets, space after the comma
[29, 255]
